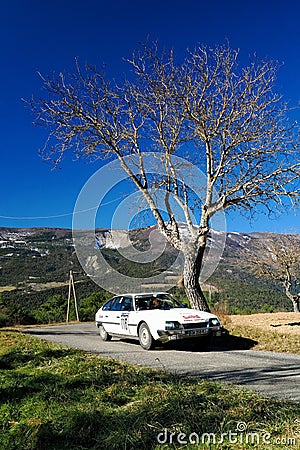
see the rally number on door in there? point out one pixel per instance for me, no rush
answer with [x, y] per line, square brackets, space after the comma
[124, 322]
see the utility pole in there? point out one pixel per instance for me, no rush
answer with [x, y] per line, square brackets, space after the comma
[72, 287]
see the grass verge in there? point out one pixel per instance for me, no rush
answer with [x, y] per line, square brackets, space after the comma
[264, 340]
[242, 336]
[53, 397]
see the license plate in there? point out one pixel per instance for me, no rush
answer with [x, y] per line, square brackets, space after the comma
[196, 332]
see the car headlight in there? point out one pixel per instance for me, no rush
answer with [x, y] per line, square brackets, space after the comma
[214, 322]
[172, 325]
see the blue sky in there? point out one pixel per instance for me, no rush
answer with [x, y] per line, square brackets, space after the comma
[46, 36]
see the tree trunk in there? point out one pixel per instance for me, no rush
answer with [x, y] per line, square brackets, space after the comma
[294, 298]
[191, 273]
[296, 304]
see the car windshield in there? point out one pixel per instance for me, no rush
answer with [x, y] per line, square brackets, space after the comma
[155, 301]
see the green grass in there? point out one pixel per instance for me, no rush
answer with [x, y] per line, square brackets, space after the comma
[52, 397]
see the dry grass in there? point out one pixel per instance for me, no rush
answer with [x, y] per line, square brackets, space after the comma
[275, 332]
[7, 288]
[282, 322]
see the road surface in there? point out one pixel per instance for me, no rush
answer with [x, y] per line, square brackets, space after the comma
[272, 374]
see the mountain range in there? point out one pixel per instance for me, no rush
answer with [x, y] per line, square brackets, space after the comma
[38, 259]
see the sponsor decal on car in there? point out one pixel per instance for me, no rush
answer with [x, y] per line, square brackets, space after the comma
[192, 316]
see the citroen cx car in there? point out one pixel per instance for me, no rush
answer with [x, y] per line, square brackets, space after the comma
[154, 317]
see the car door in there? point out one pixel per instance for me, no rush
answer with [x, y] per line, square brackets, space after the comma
[118, 317]
[111, 316]
[126, 313]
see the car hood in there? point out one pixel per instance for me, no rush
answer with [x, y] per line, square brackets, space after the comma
[194, 315]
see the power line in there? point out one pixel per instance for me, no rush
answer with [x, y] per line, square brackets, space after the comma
[64, 214]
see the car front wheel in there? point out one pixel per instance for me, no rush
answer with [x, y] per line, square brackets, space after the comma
[145, 337]
[103, 334]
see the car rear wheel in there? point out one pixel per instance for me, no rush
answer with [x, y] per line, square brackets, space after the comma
[103, 334]
[145, 337]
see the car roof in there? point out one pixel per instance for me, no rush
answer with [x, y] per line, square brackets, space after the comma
[144, 293]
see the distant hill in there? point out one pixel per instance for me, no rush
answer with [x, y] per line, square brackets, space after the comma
[35, 262]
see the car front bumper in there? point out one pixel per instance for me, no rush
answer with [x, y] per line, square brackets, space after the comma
[176, 334]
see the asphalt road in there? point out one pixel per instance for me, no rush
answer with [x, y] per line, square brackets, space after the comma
[273, 374]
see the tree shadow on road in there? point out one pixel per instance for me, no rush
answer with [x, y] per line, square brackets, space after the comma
[231, 342]
[226, 342]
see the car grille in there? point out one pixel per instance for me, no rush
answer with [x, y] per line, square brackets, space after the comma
[188, 326]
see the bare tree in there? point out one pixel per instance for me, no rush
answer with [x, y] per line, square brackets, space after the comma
[226, 120]
[279, 259]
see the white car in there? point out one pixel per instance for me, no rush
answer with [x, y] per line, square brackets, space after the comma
[151, 317]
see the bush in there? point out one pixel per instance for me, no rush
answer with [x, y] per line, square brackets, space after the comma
[4, 320]
[53, 310]
[89, 305]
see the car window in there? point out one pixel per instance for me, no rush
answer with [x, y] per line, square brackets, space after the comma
[117, 304]
[168, 302]
[142, 303]
[127, 304]
[107, 305]
[156, 301]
